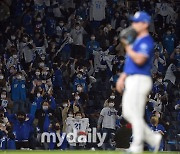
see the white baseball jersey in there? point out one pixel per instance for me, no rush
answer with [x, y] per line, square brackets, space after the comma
[109, 117]
[80, 125]
[97, 10]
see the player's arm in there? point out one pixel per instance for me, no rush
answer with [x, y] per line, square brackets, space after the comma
[120, 82]
[138, 58]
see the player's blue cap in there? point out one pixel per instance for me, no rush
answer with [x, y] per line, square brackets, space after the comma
[141, 16]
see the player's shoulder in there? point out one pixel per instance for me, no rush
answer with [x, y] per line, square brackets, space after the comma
[146, 43]
[148, 40]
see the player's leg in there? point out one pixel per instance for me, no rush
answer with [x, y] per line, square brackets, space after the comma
[134, 100]
[149, 136]
[144, 133]
[133, 111]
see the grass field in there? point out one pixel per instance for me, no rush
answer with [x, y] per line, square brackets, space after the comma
[74, 152]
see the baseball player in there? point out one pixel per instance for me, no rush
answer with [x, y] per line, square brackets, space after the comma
[136, 81]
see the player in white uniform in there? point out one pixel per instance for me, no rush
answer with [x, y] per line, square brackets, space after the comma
[108, 118]
[138, 83]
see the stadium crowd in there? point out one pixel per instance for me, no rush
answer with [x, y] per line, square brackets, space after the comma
[59, 63]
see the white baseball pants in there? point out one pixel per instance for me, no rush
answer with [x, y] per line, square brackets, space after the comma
[137, 87]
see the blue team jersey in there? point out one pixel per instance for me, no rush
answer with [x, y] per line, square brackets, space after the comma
[145, 46]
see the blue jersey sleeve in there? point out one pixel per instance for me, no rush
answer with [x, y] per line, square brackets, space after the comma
[145, 48]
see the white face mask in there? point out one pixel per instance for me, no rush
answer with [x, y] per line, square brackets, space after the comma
[77, 97]
[13, 37]
[1, 77]
[41, 64]
[3, 96]
[38, 94]
[45, 73]
[65, 105]
[111, 104]
[79, 75]
[43, 58]
[78, 117]
[19, 77]
[159, 80]
[45, 108]
[112, 97]
[77, 27]
[169, 33]
[15, 56]
[37, 73]
[25, 39]
[79, 89]
[70, 115]
[93, 38]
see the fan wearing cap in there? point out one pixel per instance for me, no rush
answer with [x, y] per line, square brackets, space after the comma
[137, 83]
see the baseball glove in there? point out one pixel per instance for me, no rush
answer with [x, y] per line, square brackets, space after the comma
[128, 36]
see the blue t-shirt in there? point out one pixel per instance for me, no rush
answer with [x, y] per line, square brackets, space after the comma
[145, 46]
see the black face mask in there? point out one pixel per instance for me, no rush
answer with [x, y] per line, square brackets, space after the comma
[57, 127]
[21, 120]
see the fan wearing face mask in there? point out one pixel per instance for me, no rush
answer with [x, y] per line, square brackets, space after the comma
[5, 101]
[80, 79]
[44, 117]
[12, 41]
[81, 125]
[26, 51]
[69, 107]
[56, 128]
[60, 28]
[22, 127]
[83, 97]
[36, 105]
[90, 46]
[61, 112]
[3, 118]
[159, 85]
[37, 74]
[107, 121]
[169, 41]
[14, 59]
